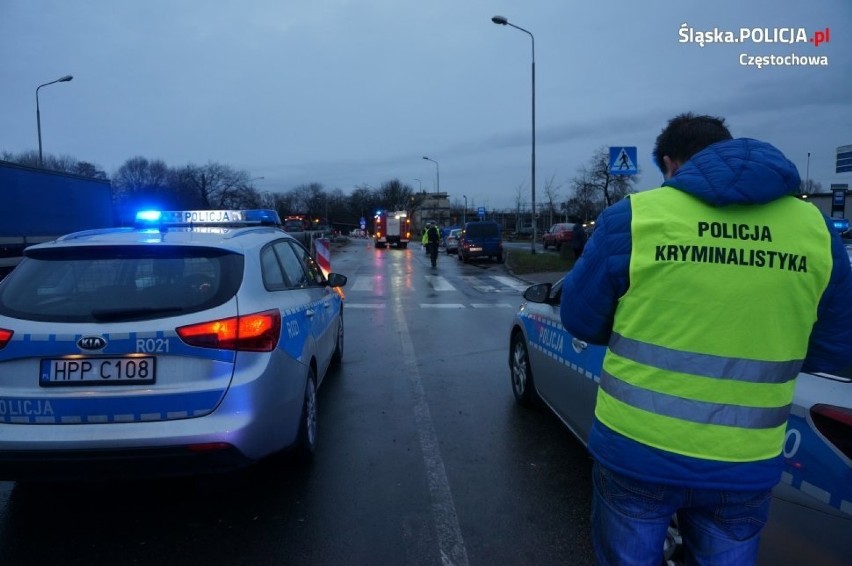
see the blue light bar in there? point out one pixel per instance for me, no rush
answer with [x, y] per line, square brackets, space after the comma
[162, 218]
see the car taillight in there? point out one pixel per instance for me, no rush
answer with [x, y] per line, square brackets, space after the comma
[5, 336]
[257, 332]
[835, 424]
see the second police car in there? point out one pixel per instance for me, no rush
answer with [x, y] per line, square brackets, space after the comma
[811, 512]
[193, 342]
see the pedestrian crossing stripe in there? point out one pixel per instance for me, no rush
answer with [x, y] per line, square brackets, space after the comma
[438, 283]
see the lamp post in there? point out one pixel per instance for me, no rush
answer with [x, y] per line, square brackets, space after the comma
[500, 20]
[437, 174]
[64, 79]
[464, 212]
[808, 175]
[419, 185]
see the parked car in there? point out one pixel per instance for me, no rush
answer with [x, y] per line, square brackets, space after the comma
[452, 241]
[481, 239]
[811, 512]
[560, 233]
[192, 343]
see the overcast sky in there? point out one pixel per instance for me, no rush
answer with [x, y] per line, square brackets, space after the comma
[355, 92]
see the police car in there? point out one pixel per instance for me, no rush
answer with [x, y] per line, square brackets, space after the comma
[192, 342]
[811, 513]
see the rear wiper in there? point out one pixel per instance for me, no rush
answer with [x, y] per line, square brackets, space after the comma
[123, 314]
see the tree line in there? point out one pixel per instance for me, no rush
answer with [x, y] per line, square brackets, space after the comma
[146, 183]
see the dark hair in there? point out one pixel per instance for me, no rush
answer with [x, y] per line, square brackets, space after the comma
[687, 134]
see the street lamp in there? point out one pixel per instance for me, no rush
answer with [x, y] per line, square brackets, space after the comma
[64, 79]
[419, 185]
[500, 20]
[437, 174]
[464, 212]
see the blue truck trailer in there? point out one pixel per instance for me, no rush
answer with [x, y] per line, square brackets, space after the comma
[37, 205]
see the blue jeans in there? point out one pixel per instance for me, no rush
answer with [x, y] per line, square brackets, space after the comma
[630, 519]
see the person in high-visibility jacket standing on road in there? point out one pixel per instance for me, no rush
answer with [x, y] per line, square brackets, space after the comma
[712, 292]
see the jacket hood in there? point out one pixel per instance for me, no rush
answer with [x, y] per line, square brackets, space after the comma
[739, 171]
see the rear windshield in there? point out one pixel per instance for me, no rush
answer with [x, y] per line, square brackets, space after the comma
[119, 283]
[482, 231]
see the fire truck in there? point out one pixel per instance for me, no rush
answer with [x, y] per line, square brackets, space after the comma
[392, 228]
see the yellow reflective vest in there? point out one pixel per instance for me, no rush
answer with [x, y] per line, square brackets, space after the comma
[712, 331]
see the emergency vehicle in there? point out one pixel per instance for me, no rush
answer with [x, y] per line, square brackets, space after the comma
[191, 343]
[392, 228]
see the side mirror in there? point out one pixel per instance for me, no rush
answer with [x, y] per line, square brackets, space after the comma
[538, 293]
[336, 280]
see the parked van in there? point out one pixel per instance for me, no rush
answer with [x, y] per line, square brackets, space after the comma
[481, 239]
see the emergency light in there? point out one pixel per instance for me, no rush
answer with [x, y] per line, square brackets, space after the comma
[161, 218]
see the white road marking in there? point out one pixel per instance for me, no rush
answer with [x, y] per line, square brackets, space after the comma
[450, 541]
[362, 284]
[441, 306]
[512, 282]
[439, 283]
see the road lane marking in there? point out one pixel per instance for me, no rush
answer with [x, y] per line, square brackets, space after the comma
[450, 541]
[439, 283]
[516, 284]
[441, 306]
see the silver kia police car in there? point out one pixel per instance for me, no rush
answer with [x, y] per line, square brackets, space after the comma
[811, 512]
[192, 342]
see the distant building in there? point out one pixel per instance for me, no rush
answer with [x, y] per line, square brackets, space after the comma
[434, 207]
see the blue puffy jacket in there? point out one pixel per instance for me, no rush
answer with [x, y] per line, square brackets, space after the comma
[741, 171]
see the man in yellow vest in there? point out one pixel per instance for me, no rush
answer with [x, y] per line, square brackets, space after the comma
[712, 292]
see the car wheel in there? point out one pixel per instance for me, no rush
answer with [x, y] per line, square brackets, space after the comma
[522, 379]
[499, 258]
[307, 441]
[337, 356]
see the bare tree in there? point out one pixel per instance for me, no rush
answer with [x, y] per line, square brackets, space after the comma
[520, 205]
[63, 163]
[551, 191]
[216, 185]
[595, 188]
[809, 187]
[139, 177]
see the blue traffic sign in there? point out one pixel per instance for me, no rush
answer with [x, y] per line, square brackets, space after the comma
[622, 161]
[480, 212]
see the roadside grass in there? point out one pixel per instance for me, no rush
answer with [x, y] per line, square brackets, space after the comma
[524, 262]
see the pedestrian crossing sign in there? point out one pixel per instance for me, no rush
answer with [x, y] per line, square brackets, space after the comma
[622, 161]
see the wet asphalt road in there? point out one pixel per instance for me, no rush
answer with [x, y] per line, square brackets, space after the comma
[423, 457]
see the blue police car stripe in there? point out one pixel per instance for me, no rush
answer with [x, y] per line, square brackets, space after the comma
[551, 338]
[54, 410]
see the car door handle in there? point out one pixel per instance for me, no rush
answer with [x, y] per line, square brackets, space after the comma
[579, 345]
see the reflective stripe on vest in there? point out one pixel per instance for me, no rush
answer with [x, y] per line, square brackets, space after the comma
[715, 324]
